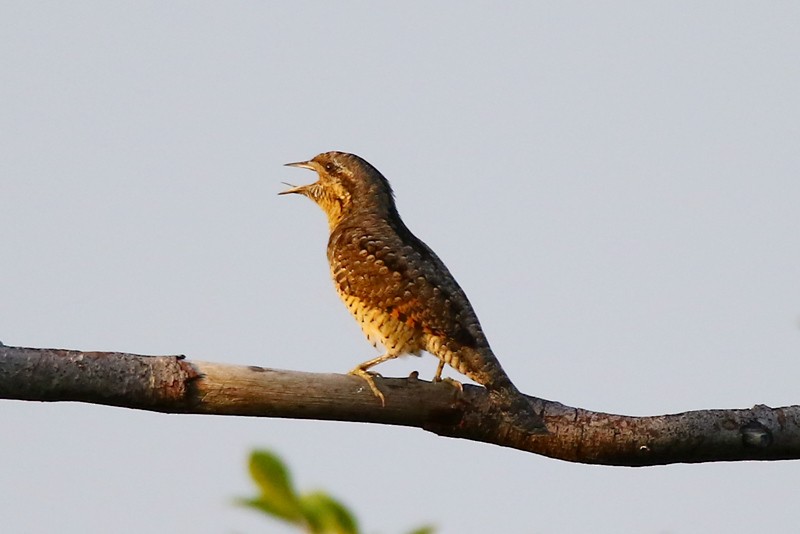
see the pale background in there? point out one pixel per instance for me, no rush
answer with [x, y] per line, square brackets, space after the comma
[615, 185]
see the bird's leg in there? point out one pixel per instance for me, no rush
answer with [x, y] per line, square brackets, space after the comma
[361, 371]
[438, 377]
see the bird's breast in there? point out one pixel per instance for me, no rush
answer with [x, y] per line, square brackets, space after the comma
[384, 326]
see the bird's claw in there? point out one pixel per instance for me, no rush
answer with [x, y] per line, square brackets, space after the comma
[455, 383]
[438, 378]
[368, 377]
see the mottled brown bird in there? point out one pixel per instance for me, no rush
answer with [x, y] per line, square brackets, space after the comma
[395, 286]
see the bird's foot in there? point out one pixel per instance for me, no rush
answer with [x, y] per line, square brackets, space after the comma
[368, 377]
[455, 383]
[438, 378]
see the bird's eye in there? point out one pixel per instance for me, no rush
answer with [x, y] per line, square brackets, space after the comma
[329, 167]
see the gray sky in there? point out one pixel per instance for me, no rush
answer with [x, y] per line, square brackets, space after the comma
[615, 186]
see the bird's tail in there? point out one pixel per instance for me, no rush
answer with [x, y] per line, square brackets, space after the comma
[516, 409]
[513, 408]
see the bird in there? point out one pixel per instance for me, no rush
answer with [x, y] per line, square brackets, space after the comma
[396, 287]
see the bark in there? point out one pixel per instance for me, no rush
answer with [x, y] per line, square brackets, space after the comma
[173, 384]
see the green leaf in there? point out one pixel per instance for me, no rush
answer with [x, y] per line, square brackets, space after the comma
[326, 515]
[277, 497]
[427, 529]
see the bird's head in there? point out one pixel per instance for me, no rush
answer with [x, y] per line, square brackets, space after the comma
[347, 185]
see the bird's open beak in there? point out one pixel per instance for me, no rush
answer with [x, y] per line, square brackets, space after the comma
[299, 189]
[301, 164]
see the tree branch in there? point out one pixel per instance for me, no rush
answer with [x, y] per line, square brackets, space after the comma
[174, 385]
